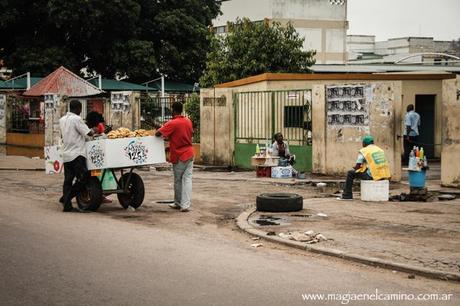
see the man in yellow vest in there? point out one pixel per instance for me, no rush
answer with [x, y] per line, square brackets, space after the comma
[371, 165]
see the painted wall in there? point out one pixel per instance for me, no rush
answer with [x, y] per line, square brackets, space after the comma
[129, 119]
[335, 149]
[450, 171]
[216, 129]
[387, 108]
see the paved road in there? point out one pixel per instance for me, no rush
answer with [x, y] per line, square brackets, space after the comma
[51, 258]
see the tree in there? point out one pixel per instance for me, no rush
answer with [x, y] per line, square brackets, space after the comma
[192, 109]
[137, 38]
[252, 48]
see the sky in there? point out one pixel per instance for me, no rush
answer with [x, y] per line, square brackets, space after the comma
[400, 18]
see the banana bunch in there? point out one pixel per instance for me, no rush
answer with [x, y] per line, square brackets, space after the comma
[127, 133]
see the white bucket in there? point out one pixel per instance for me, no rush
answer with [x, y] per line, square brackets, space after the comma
[375, 191]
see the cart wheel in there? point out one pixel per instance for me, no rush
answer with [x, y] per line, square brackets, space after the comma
[135, 195]
[91, 196]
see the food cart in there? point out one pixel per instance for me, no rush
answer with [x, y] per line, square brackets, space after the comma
[113, 157]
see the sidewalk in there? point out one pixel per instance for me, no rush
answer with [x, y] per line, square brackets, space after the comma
[408, 234]
[21, 163]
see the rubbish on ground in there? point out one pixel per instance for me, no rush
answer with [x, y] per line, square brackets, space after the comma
[256, 245]
[255, 238]
[321, 215]
[271, 234]
[446, 197]
[307, 237]
[321, 237]
[35, 157]
[130, 208]
[411, 276]
[284, 236]
[321, 187]
[415, 195]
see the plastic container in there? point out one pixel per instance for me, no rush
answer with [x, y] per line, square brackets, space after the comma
[375, 191]
[417, 179]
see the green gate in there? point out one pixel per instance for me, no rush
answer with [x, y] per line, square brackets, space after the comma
[259, 115]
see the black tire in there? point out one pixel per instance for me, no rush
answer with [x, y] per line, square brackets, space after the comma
[279, 202]
[136, 192]
[91, 196]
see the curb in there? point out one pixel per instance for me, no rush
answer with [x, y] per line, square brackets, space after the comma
[22, 169]
[243, 224]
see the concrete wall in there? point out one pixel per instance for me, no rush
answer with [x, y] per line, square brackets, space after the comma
[450, 172]
[335, 149]
[129, 119]
[386, 112]
[429, 87]
[255, 10]
[216, 129]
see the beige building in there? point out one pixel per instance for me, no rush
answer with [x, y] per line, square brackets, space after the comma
[337, 125]
[450, 174]
[323, 23]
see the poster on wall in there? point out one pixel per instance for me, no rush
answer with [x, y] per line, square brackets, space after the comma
[51, 101]
[2, 106]
[347, 105]
[120, 101]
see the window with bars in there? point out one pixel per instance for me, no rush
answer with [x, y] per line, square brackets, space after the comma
[293, 116]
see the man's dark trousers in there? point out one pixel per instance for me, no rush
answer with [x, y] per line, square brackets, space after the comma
[74, 169]
[351, 175]
[408, 145]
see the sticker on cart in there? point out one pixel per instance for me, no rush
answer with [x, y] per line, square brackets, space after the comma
[96, 155]
[137, 152]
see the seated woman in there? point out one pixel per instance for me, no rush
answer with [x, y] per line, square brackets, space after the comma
[280, 148]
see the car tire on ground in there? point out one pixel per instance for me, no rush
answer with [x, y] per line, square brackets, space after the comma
[136, 191]
[279, 202]
[91, 196]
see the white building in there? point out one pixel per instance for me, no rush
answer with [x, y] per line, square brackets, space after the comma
[323, 23]
[364, 49]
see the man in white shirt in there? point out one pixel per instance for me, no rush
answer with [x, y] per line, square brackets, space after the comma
[74, 132]
[411, 130]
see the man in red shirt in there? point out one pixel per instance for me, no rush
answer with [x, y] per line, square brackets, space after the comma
[179, 131]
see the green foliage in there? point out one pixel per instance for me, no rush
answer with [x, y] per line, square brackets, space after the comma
[252, 48]
[132, 37]
[192, 109]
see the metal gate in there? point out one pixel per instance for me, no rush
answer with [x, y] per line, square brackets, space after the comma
[157, 109]
[259, 115]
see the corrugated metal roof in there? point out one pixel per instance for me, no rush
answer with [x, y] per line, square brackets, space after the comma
[112, 85]
[18, 84]
[65, 83]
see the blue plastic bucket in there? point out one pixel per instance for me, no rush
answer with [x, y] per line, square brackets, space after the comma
[417, 179]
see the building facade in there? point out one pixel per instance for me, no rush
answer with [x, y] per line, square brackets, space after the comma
[364, 49]
[323, 23]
